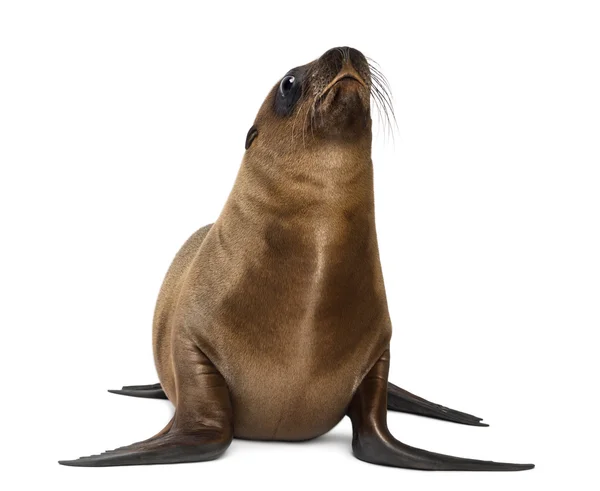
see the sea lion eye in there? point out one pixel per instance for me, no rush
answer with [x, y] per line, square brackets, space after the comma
[286, 85]
[288, 92]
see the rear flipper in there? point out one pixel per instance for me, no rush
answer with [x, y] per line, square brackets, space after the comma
[397, 400]
[153, 391]
[372, 441]
[401, 400]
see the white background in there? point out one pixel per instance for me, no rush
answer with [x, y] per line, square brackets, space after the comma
[122, 127]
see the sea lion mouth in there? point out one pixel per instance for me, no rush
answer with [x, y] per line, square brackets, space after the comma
[351, 78]
[345, 101]
[347, 73]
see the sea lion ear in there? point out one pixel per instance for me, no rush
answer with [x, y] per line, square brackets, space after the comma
[252, 134]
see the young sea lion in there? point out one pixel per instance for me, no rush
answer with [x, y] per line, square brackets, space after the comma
[273, 323]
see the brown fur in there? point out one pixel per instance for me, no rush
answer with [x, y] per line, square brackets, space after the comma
[273, 323]
[284, 293]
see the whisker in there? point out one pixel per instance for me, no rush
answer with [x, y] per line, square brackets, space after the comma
[382, 97]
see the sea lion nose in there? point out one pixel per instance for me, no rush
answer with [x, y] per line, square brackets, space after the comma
[333, 60]
[344, 53]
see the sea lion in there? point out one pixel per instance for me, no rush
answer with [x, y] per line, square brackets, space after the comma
[272, 323]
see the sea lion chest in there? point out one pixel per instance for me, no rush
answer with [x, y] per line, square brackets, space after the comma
[292, 317]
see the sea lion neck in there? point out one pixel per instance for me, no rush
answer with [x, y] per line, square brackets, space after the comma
[333, 175]
[322, 194]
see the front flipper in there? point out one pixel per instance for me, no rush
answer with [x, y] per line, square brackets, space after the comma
[373, 442]
[201, 429]
[170, 448]
[398, 400]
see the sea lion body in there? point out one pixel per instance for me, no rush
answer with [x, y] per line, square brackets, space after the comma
[293, 317]
[273, 323]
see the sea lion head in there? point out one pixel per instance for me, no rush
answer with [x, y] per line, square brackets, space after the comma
[327, 99]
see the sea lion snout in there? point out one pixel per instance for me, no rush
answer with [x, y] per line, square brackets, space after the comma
[341, 65]
[336, 57]
[342, 90]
